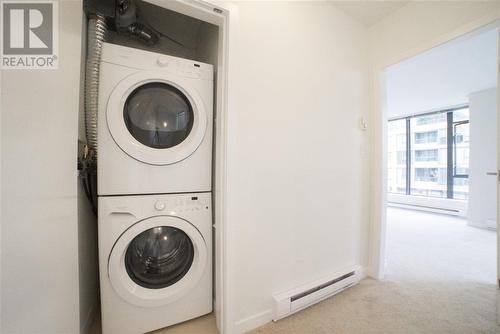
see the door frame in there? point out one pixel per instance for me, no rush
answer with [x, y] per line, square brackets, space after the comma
[377, 237]
[220, 14]
[498, 179]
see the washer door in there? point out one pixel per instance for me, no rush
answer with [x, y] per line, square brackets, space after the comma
[155, 120]
[157, 260]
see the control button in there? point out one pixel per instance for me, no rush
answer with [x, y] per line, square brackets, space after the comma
[159, 205]
[162, 61]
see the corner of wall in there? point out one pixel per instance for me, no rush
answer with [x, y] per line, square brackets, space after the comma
[253, 321]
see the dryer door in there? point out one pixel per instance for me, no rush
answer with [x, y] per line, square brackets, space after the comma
[156, 119]
[157, 260]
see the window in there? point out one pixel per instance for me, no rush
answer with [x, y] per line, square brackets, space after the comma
[426, 174]
[401, 141]
[426, 137]
[397, 155]
[461, 154]
[431, 119]
[426, 155]
[428, 159]
[401, 157]
[429, 154]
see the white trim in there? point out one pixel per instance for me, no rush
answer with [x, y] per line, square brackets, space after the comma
[1, 201]
[253, 321]
[379, 115]
[222, 20]
[498, 183]
[220, 179]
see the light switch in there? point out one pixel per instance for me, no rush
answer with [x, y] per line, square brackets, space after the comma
[363, 123]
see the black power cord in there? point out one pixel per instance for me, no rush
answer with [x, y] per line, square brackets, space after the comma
[148, 25]
[87, 167]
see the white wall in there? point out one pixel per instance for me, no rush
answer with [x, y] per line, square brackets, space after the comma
[297, 163]
[88, 283]
[483, 158]
[421, 25]
[442, 77]
[88, 262]
[412, 29]
[39, 130]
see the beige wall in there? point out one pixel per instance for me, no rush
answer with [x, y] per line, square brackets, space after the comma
[297, 169]
[39, 245]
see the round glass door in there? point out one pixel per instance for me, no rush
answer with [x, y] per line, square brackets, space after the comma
[158, 115]
[156, 118]
[159, 257]
[157, 260]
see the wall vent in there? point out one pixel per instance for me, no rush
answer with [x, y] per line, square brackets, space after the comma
[289, 302]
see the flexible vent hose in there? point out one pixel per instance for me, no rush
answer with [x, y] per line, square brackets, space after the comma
[95, 38]
[87, 165]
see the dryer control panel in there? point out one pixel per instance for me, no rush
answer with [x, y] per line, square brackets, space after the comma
[185, 68]
[146, 60]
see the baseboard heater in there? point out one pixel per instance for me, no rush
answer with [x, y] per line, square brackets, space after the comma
[289, 302]
[453, 212]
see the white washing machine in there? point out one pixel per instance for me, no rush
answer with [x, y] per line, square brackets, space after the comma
[155, 260]
[155, 123]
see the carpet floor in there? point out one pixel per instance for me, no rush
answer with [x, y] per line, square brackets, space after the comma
[440, 278]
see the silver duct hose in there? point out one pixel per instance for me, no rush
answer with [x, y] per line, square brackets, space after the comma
[96, 34]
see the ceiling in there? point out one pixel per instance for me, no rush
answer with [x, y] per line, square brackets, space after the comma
[442, 77]
[368, 12]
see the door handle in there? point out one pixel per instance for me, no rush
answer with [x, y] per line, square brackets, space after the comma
[494, 174]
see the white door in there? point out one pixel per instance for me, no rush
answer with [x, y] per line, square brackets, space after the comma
[157, 260]
[482, 210]
[156, 118]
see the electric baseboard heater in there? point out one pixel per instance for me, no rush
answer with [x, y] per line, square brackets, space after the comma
[289, 302]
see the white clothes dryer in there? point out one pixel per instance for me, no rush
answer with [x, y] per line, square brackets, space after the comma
[155, 260]
[155, 123]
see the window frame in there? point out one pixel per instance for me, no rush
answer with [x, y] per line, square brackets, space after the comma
[455, 175]
[451, 148]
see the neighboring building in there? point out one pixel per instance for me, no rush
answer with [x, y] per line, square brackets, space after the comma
[426, 165]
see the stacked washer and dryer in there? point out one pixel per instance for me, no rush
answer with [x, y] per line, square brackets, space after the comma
[154, 186]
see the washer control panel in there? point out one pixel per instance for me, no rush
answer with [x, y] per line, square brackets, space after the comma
[160, 205]
[139, 207]
[181, 203]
